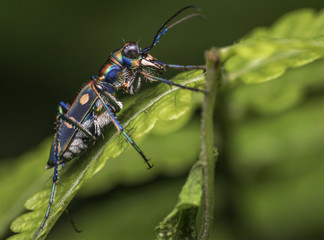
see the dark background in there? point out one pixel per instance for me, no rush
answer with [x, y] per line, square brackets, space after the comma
[50, 48]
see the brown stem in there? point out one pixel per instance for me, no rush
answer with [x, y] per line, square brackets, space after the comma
[214, 78]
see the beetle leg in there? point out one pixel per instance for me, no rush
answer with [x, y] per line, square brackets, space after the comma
[63, 117]
[181, 67]
[155, 78]
[120, 128]
[55, 178]
[65, 105]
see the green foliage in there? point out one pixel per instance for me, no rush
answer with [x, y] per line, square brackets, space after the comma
[181, 222]
[142, 115]
[269, 133]
[15, 193]
[265, 54]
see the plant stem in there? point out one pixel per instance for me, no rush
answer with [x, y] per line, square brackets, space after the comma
[214, 78]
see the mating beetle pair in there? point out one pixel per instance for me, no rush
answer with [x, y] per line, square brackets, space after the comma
[96, 105]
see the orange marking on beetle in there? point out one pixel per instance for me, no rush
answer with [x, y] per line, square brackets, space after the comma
[69, 125]
[84, 98]
[59, 147]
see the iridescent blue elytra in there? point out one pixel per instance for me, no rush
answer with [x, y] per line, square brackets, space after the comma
[96, 105]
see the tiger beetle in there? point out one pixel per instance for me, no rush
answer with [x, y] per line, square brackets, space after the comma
[96, 105]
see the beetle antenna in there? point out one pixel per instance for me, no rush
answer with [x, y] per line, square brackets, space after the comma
[164, 28]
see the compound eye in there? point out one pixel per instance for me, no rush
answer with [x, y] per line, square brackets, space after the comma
[131, 51]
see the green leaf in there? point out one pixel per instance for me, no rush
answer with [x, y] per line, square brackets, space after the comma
[28, 176]
[170, 159]
[141, 116]
[277, 96]
[181, 222]
[295, 40]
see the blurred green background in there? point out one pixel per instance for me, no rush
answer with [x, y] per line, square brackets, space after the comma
[268, 180]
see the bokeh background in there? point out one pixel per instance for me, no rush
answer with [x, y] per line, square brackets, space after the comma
[50, 48]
